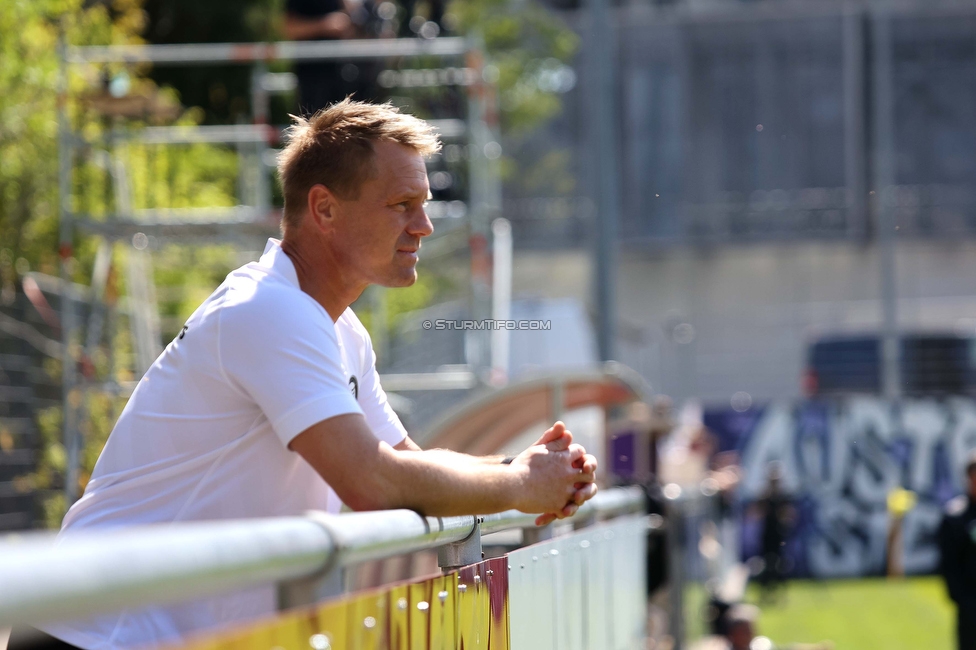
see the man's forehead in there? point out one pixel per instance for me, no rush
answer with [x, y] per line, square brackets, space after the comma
[395, 157]
[400, 168]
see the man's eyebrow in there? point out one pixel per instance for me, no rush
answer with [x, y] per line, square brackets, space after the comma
[404, 195]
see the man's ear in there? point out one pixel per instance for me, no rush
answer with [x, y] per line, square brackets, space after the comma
[322, 206]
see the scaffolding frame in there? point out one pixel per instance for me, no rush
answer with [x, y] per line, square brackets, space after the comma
[206, 225]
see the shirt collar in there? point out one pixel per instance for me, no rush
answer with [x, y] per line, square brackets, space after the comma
[275, 259]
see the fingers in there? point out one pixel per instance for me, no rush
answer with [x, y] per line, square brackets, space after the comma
[583, 462]
[545, 520]
[552, 433]
[565, 467]
[567, 511]
[560, 444]
[584, 493]
[588, 464]
[584, 477]
[556, 438]
[576, 454]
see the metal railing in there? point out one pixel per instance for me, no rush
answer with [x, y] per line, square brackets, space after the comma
[45, 578]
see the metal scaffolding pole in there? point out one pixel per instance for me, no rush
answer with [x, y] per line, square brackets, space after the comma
[247, 53]
[69, 321]
[603, 143]
[885, 201]
[854, 122]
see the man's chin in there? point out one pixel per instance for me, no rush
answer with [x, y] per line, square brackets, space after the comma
[400, 281]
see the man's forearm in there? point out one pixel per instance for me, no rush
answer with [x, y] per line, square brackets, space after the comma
[449, 456]
[446, 483]
[371, 475]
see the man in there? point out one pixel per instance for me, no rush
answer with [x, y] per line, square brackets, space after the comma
[268, 402]
[957, 546]
[741, 626]
[778, 515]
[736, 630]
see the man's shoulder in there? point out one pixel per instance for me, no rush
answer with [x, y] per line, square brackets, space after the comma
[258, 299]
[259, 287]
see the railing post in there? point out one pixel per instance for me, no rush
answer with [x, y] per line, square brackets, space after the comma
[310, 590]
[458, 554]
[329, 581]
[675, 541]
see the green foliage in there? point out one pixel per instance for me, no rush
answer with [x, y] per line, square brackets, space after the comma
[51, 466]
[158, 177]
[521, 38]
[29, 87]
[223, 92]
[525, 42]
[28, 126]
[435, 284]
[185, 277]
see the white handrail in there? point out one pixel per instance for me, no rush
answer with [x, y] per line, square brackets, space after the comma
[99, 571]
[90, 573]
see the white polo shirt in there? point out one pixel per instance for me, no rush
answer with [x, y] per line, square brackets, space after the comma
[204, 435]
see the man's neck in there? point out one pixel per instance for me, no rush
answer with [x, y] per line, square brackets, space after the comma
[320, 276]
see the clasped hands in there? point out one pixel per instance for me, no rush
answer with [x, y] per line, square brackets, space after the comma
[560, 475]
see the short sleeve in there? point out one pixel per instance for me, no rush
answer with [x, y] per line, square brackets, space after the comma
[283, 353]
[380, 416]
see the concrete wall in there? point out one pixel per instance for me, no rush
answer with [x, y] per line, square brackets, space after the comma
[752, 310]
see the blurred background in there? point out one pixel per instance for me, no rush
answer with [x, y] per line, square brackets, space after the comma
[766, 209]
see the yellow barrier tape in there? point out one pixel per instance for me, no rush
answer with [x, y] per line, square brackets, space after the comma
[467, 609]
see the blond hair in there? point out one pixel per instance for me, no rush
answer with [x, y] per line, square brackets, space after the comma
[334, 148]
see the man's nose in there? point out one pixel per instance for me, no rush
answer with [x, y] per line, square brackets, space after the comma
[421, 225]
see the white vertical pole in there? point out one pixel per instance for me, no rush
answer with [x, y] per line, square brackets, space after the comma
[485, 204]
[501, 298]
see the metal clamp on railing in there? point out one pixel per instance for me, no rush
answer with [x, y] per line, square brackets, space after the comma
[46, 579]
[462, 553]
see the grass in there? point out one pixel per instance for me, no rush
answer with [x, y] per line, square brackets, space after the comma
[867, 614]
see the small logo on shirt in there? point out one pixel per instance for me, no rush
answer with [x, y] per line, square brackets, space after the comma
[354, 386]
[183, 331]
